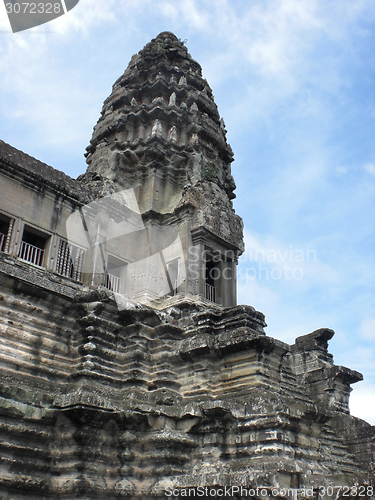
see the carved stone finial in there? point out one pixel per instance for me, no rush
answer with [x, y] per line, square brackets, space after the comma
[158, 100]
[172, 99]
[194, 107]
[172, 135]
[157, 128]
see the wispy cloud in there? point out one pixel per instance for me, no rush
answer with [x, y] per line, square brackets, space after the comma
[370, 168]
[362, 401]
[259, 296]
[298, 264]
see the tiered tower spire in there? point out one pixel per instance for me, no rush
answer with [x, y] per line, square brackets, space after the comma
[160, 115]
[160, 133]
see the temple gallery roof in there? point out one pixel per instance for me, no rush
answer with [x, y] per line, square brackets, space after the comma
[39, 171]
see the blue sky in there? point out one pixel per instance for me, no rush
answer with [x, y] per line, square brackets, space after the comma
[294, 82]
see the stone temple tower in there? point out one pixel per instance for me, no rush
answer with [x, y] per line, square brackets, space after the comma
[160, 134]
[127, 370]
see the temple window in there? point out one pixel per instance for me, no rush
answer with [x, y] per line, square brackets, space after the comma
[33, 246]
[115, 277]
[212, 280]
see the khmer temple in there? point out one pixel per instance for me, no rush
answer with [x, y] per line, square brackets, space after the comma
[127, 368]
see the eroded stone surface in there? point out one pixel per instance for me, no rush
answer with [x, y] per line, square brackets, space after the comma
[98, 403]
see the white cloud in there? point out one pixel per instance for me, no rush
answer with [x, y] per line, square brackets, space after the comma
[85, 16]
[358, 356]
[367, 329]
[341, 170]
[194, 15]
[4, 22]
[292, 264]
[169, 10]
[81, 18]
[362, 401]
[46, 88]
[260, 297]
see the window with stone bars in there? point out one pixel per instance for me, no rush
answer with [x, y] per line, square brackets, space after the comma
[33, 246]
[69, 260]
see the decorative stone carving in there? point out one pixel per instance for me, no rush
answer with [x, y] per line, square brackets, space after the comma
[193, 286]
[194, 139]
[158, 101]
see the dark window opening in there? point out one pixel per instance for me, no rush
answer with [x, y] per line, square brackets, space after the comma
[172, 269]
[33, 246]
[212, 276]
